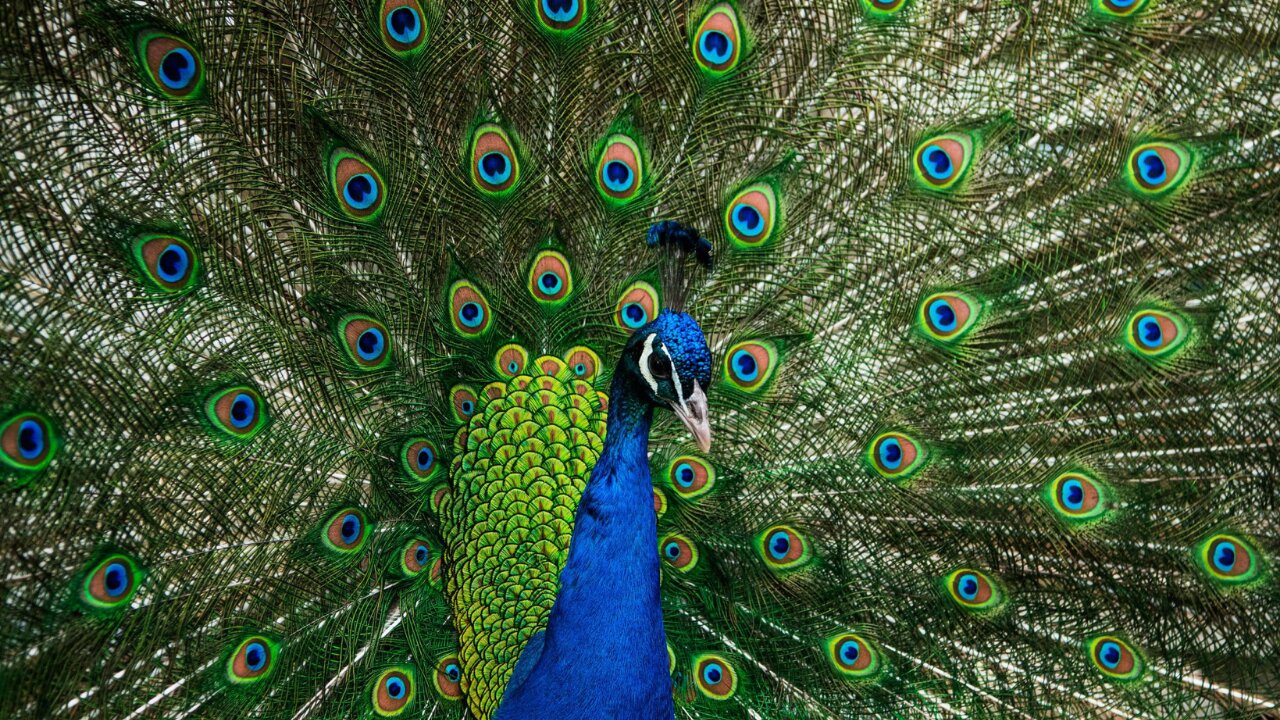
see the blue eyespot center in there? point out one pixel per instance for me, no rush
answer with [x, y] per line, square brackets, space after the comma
[634, 315]
[395, 688]
[1073, 494]
[513, 367]
[779, 545]
[1109, 654]
[684, 475]
[172, 264]
[421, 554]
[1150, 164]
[360, 191]
[745, 366]
[116, 579]
[617, 176]
[453, 672]
[177, 68]
[1149, 332]
[471, 314]
[550, 282]
[579, 369]
[715, 46]
[672, 550]
[30, 439]
[243, 409]
[968, 587]
[891, 453]
[943, 315]
[468, 407]
[425, 458]
[747, 220]
[403, 25]
[712, 674]
[849, 651]
[560, 10]
[494, 168]
[350, 528]
[255, 656]
[937, 163]
[370, 344]
[1224, 557]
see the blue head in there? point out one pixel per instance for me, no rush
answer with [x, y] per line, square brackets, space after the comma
[669, 364]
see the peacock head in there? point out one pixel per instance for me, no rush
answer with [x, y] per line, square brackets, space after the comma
[668, 361]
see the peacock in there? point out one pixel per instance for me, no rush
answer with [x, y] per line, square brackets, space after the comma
[639, 359]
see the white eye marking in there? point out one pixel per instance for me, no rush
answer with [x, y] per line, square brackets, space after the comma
[675, 376]
[644, 362]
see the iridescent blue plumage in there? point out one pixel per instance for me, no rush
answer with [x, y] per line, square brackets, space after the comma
[592, 663]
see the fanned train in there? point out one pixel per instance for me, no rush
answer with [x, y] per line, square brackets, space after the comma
[586, 358]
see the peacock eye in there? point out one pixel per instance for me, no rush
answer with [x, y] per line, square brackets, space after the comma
[356, 185]
[365, 341]
[560, 16]
[510, 360]
[947, 317]
[679, 552]
[1115, 658]
[468, 309]
[853, 657]
[750, 365]
[27, 442]
[111, 583]
[171, 64]
[974, 590]
[418, 458]
[236, 411]
[494, 168]
[448, 677]
[550, 281]
[251, 661]
[943, 161]
[1155, 334]
[1157, 168]
[691, 477]
[583, 362]
[783, 548]
[1117, 8]
[637, 306]
[717, 43]
[393, 691]
[168, 264]
[883, 8]
[403, 29]
[896, 456]
[715, 676]
[462, 398]
[1077, 498]
[1228, 559]
[619, 172]
[659, 366]
[414, 557]
[346, 531]
[751, 216]
[659, 502]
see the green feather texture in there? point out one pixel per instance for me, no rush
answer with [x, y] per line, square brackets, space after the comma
[996, 353]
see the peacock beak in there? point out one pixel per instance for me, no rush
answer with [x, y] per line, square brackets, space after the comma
[693, 413]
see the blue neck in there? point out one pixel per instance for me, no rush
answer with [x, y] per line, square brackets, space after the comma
[604, 653]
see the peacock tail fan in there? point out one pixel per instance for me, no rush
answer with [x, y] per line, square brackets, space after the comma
[309, 313]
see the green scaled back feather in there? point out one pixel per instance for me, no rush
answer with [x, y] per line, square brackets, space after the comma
[993, 318]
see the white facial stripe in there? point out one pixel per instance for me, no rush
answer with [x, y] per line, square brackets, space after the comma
[675, 376]
[644, 362]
